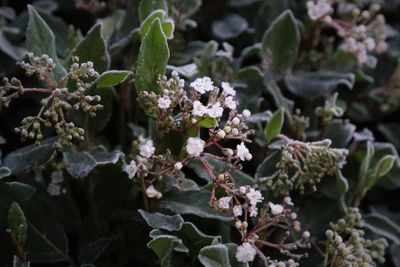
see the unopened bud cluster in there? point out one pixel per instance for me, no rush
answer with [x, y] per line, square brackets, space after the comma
[59, 102]
[303, 164]
[347, 246]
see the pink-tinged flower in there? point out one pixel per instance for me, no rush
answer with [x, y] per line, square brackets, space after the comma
[151, 192]
[131, 169]
[276, 209]
[227, 89]
[237, 210]
[319, 9]
[254, 196]
[164, 102]
[146, 148]
[198, 108]
[215, 111]
[230, 103]
[223, 202]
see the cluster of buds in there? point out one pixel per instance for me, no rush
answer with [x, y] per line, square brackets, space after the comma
[304, 164]
[60, 100]
[364, 33]
[55, 186]
[347, 246]
[330, 109]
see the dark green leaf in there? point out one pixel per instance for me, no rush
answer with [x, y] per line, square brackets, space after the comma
[4, 172]
[276, 93]
[93, 250]
[192, 202]
[340, 132]
[382, 226]
[315, 84]
[93, 48]
[163, 246]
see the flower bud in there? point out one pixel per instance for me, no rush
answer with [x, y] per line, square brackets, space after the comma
[178, 166]
[221, 134]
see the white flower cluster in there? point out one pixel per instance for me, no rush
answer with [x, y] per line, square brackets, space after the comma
[245, 252]
[320, 9]
[142, 163]
[195, 146]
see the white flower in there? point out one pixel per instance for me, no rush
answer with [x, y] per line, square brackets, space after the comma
[350, 44]
[246, 113]
[164, 102]
[276, 209]
[319, 9]
[236, 121]
[215, 111]
[254, 196]
[178, 166]
[223, 202]
[381, 47]
[362, 56]
[146, 148]
[230, 102]
[227, 89]
[370, 44]
[195, 146]
[57, 177]
[243, 190]
[253, 211]
[306, 235]
[54, 189]
[131, 169]
[245, 252]
[242, 152]
[237, 210]
[151, 192]
[202, 85]
[198, 108]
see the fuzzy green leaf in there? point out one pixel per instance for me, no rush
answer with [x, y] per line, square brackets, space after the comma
[40, 40]
[17, 222]
[80, 164]
[280, 44]
[275, 124]
[111, 78]
[93, 48]
[152, 59]
[214, 256]
[163, 246]
[161, 221]
[167, 25]
[341, 183]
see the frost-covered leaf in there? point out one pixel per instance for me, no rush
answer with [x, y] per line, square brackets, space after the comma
[192, 202]
[214, 256]
[80, 164]
[280, 44]
[382, 226]
[229, 26]
[315, 84]
[167, 25]
[29, 157]
[111, 78]
[161, 221]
